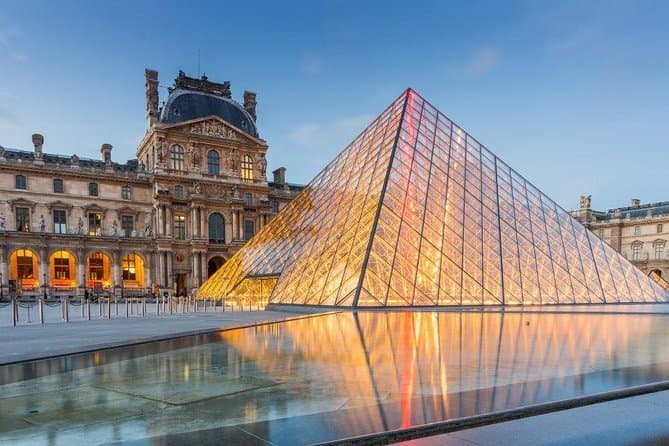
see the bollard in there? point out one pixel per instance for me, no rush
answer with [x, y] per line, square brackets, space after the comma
[88, 308]
[41, 310]
[28, 311]
[205, 305]
[144, 307]
[116, 304]
[83, 307]
[109, 308]
[67, 309]
[62, 308]
[126, 308]
[14, 315]
[157, 306]
[100, 307]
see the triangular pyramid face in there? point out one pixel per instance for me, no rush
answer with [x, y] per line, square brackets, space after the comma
[415, 212]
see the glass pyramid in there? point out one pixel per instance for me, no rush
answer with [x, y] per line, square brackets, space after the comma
[416, 212]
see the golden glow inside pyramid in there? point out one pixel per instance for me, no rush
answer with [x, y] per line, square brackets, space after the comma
[416, 212]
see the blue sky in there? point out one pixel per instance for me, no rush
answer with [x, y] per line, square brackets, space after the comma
[573, 95]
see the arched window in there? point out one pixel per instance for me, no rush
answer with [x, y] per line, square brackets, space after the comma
[213, 163]
[216, 228]
[247, 168]
[177, 157]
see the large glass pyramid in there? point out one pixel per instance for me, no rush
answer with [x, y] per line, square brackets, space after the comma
[416, 212]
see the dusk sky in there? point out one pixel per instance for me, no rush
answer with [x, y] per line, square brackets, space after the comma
[573, 95]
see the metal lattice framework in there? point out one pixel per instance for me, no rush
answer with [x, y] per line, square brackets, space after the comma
[416, 212]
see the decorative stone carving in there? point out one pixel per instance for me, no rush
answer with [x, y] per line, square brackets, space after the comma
[585, 201]
[2, 221]
[197, 189]
[114, 228]
[80, 226]
[74, 160]
[195, 155]
[38, 142]
[212, 128]
[42, 224]
[262, 164]
[233, 161]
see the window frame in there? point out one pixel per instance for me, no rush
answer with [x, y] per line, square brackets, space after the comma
[246, 169]
[60, 189]
[213, 167]
[179, 227]
[177, 156]
[22, 224]
[20, 182]
[59, 227]
[126, 192]
[248, 234]
[93, 189]
[93, 229]
[127, 232]
[215, 235]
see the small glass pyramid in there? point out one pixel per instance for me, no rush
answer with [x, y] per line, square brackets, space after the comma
[416, 212]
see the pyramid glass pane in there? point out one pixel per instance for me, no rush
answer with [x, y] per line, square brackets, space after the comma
[416, 212]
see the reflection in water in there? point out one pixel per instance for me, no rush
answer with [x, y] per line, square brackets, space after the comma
[343, 374]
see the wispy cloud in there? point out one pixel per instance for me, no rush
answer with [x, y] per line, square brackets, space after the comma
[311, 64]
[309, 134]
[483, 61]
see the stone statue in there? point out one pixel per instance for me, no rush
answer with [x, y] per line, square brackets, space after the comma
[74, 159]
[80, 226]
[42, 223]
[233, 161]
[114, 228]
[234, 191]
[2, 221]
[262, 162]
[585, 202]
[195, 157]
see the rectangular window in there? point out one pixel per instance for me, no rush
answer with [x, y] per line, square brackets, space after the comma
[93, 189]
[23, 219]
[59, 222]
[96, 266]
[659, 251]
[58, 186]
[248, 198]
[94, 224]
[126, 192]
[637, 230]
[24, 264]
[659, 228]
[180, 227]
[127, 224]
[61, 268]
[129, 267]
[636, 252]
[275, 206]
[21, 182]
[249, 229]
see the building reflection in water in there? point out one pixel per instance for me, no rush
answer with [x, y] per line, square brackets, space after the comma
[353, 373]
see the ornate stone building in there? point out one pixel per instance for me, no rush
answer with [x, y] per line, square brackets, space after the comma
[638, 231]
[196, 192]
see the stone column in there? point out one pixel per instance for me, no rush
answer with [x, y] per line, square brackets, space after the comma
[3, 265]
[203, 224]
[234, 225]
[116, 267]
[81, 268]
[43, 266]
[193, 222]
[170, 279]
[196, 269]
[148, 264]
[240, 223]
[160, 267]
[203, 259]
[169, 220]
[161, 221]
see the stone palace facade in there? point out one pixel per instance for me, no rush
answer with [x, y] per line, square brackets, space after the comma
[168, 219]
[638, 231]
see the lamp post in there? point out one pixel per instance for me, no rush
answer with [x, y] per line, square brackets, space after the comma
[2, 286]
[44, 284]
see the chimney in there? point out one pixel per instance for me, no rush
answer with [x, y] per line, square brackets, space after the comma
[250, 103]
[635, 202]
[280, 176]
[151, 87]
[106, 150]
[38, 142]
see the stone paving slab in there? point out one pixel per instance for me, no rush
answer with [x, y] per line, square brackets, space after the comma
[35, 341]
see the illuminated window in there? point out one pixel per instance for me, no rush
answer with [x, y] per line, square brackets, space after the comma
[659, 228]
[20, 182]
[93, 189]
[96, 266]
[180, 227]
[247, 168]
[24, 264]
[23, 219]
[94, 224]
[127, 224]
[636, 252]
[129, 267]
[58, 186]
[61, 265]
[177, 157]
[216, 228]
[126, 192]
[249, 229]
[659, 251]
[213, 163]
[637, 230]
[59, 221]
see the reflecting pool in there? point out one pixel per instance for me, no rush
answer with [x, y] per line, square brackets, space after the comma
[327, 377]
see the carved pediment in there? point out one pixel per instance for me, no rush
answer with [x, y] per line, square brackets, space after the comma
[126, 210]
[214, 128]
[94, 208]
[60, 205]
[22, 203]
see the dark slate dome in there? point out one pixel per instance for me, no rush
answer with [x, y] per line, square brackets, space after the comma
[184, 105]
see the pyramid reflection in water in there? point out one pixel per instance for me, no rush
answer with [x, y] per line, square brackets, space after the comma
[416, 212]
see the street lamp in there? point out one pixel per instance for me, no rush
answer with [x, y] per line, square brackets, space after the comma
[44, 285]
